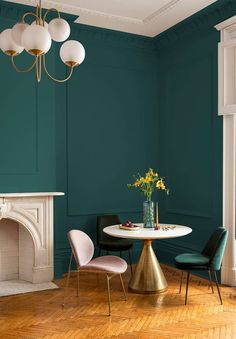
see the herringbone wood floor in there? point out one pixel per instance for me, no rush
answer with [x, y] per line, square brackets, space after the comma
[40, 315]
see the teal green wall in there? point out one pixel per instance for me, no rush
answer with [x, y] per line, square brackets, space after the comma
[135, 102]
[27, 128]
[190, 132]
[190, 139]
[107, 130]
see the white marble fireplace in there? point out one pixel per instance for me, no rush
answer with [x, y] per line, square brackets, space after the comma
[26, 236]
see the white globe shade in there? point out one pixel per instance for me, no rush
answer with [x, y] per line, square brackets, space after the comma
[59, 29]
[7, 45]
[72, 53]
[17, 31]
[36, 40]
[41, 23]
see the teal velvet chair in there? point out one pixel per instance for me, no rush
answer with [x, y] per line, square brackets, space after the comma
[209, 259]
[112, 244]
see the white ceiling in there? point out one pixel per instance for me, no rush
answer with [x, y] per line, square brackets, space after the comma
[144, 17]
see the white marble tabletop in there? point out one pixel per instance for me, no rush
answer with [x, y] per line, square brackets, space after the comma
[148, 233]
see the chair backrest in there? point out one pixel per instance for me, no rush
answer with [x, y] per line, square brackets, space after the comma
[82, 247]
[215, 248]
[102, 222]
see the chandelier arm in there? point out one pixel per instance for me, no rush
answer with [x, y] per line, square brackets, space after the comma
[38, 68]
[30, 13]
[40, 11]
[37, 13]
[23, 70]
[51, 10]
[51, 77]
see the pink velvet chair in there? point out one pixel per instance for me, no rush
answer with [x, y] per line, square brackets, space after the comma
[83, 249]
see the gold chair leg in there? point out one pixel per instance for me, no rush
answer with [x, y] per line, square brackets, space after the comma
[218, 288]
[109, 293]
[67, 279]
[181, 281]
[212, 288]
[186, 295]
[123, 287]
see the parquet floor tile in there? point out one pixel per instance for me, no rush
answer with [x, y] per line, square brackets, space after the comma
[164, 316]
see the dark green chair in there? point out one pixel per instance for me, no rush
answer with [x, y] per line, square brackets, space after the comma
[209, 259]
[108, 243]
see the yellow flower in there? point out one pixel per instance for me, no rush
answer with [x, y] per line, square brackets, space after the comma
[147, 180]
[138, 182]
[151, 172]
[160, 184]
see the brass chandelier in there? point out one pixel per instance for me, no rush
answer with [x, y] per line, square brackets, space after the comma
[36, 38]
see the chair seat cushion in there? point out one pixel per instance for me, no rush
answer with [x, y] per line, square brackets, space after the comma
[115, 245]
[191, 260]
[106, 263]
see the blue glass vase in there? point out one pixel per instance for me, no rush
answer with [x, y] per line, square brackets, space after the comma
[148, 214]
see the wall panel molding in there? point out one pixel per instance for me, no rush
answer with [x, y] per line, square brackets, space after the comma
[132, 72]
[178, 66]
[36, 171]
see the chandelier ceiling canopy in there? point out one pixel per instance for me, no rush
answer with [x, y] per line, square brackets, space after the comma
[36, 38]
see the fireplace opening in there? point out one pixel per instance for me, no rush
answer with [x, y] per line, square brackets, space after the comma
[16, 252]
[26, 242]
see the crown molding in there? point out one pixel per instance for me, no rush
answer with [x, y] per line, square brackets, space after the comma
[146, 26]
[108, 16]
[14, 12]
[169, 6]
[205, 19]
[75, 10]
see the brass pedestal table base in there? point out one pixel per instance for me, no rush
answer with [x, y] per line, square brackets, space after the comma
[148, 277]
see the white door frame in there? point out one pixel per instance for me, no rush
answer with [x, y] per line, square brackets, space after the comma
[227, 108]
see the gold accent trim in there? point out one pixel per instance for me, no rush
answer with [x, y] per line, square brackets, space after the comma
[38, 68]
[72, 63]
[51, 10]
[11, 52]
[148, 277]
[27, 14]
[148, 292]
[35, 52]
[51, 77]
[22, 70]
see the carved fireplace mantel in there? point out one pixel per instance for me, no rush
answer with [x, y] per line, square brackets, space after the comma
[34, 211]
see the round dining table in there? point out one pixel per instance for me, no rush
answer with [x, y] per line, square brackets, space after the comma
[148, 276]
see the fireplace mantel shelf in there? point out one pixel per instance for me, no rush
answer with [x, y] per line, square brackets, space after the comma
[30, 194]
